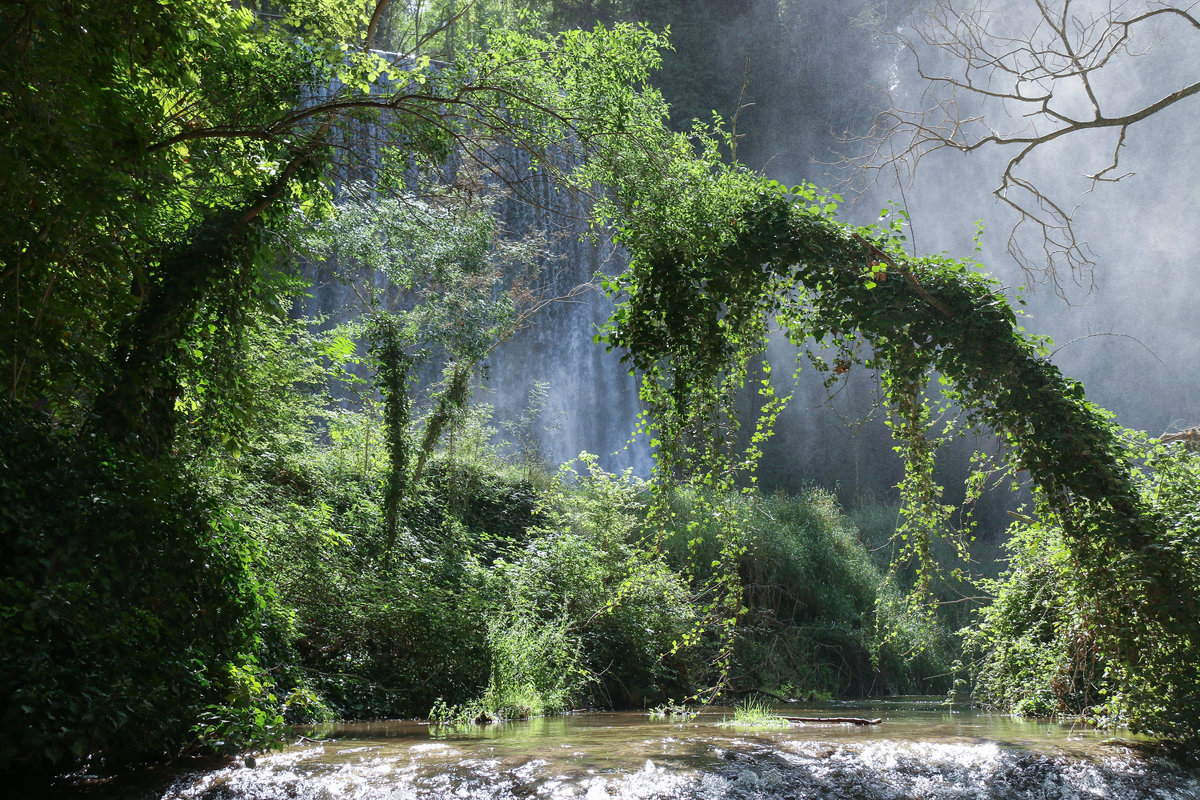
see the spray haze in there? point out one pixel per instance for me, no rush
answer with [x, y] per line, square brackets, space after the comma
[809, 73]
[1123, 325]
[1124, 328]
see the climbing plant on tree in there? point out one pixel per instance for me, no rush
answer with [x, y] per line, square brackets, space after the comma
[436, 286]
[718, 255]
[157, 161]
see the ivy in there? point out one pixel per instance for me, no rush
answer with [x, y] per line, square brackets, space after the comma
[393, 365]
[720, 255]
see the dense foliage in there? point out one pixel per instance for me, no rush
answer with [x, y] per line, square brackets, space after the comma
[517, 592]
[514, 598]
[1046, 645]
[160, 165]
[217, 518]
[820, 617]
[130, 603]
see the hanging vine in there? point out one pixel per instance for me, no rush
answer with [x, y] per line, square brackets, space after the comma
[719, 255]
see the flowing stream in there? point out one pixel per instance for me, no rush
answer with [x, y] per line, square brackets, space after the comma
[922, 749]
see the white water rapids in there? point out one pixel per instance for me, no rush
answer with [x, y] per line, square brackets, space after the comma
[920, 751]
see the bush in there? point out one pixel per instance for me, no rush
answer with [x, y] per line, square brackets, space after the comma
[585, 572]
[1036, 654]
[129, 611]
[1054, 642]
[822, 620]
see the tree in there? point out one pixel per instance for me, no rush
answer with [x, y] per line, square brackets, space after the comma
[158, 162]
[98, 187]
[1034, 79]
[720, 256]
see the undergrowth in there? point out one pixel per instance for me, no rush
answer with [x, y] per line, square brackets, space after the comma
[502, 597]
[506, 597]
[1046, 648]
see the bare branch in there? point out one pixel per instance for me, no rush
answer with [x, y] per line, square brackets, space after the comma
[1144, 346]
[1021, 83]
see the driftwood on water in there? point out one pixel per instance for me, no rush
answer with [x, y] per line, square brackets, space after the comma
[850, 720]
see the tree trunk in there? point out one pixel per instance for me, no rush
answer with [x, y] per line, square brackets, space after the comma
[138, 410]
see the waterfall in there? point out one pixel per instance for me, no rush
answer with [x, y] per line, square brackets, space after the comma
[592, 403]
[1130, 340]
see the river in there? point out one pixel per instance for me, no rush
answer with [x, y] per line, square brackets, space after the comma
[922, 749]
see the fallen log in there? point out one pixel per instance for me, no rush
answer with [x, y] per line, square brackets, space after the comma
[850, 720]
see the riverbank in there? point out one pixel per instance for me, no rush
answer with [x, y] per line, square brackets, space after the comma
[515, 592]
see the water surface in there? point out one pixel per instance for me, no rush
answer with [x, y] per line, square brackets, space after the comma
[921, 750]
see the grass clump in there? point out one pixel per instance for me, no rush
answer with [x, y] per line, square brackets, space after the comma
[754, 713]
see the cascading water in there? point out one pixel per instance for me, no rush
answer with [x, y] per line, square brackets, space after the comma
[1143, 274]
[921, 750]
[592, 403]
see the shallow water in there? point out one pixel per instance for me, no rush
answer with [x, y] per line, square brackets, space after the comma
[921, 750]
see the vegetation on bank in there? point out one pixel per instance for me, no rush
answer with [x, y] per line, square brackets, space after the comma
[515, 591]
[1045, 645]
[505, 597]
[715, 268]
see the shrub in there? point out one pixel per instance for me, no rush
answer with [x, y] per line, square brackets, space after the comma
[821, 620]
[1036, 654]
[129, 610]
[585, 572]
[1050, 643]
